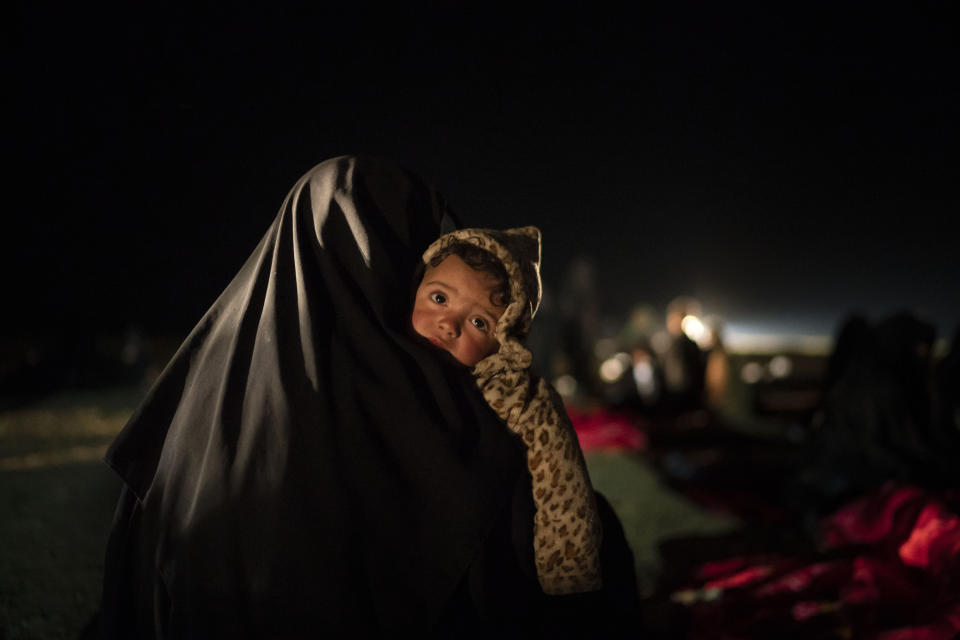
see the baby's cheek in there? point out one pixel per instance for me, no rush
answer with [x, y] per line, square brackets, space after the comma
[416, 321]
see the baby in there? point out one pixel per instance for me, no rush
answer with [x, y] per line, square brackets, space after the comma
[479, 293]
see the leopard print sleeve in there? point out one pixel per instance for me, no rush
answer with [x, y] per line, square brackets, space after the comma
[566, 525]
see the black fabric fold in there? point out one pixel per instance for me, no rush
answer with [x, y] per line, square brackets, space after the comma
[304, 462]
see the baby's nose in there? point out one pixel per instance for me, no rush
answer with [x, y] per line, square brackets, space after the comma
[450, 326]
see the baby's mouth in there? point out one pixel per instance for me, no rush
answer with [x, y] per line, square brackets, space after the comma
[437, 343]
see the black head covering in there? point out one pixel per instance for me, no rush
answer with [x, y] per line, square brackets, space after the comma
[852, 344]
[304, 461]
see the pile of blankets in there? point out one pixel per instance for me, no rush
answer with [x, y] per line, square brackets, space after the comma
[887, 568]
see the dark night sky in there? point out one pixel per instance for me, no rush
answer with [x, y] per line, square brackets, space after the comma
[784, 165]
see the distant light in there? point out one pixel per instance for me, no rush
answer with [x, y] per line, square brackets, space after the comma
[644, 378]
[712, 328]
[613, 368]
[780, 366]
[693, 327]
[643, 372]
[566, 385]
[752, 372]
[758, 340]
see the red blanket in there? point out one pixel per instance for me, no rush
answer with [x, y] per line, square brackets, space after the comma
[889, 570]
[606, 430]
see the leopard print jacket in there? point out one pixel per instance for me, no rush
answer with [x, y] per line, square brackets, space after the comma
[566, 525]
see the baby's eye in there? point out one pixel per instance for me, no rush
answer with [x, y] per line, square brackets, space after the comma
[480, 324]
[438, 297]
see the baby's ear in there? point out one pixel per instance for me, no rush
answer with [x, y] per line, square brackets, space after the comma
[525, 244]
[531, 232]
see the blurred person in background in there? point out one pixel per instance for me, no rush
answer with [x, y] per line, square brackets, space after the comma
[579, 320]
[717, 367]
[851, 341]
[877, 419]
[948, 388]
[682, 361]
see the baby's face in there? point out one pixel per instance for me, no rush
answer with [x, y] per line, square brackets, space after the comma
[453, 310]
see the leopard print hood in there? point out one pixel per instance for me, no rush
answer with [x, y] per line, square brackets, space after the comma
[566, 527]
